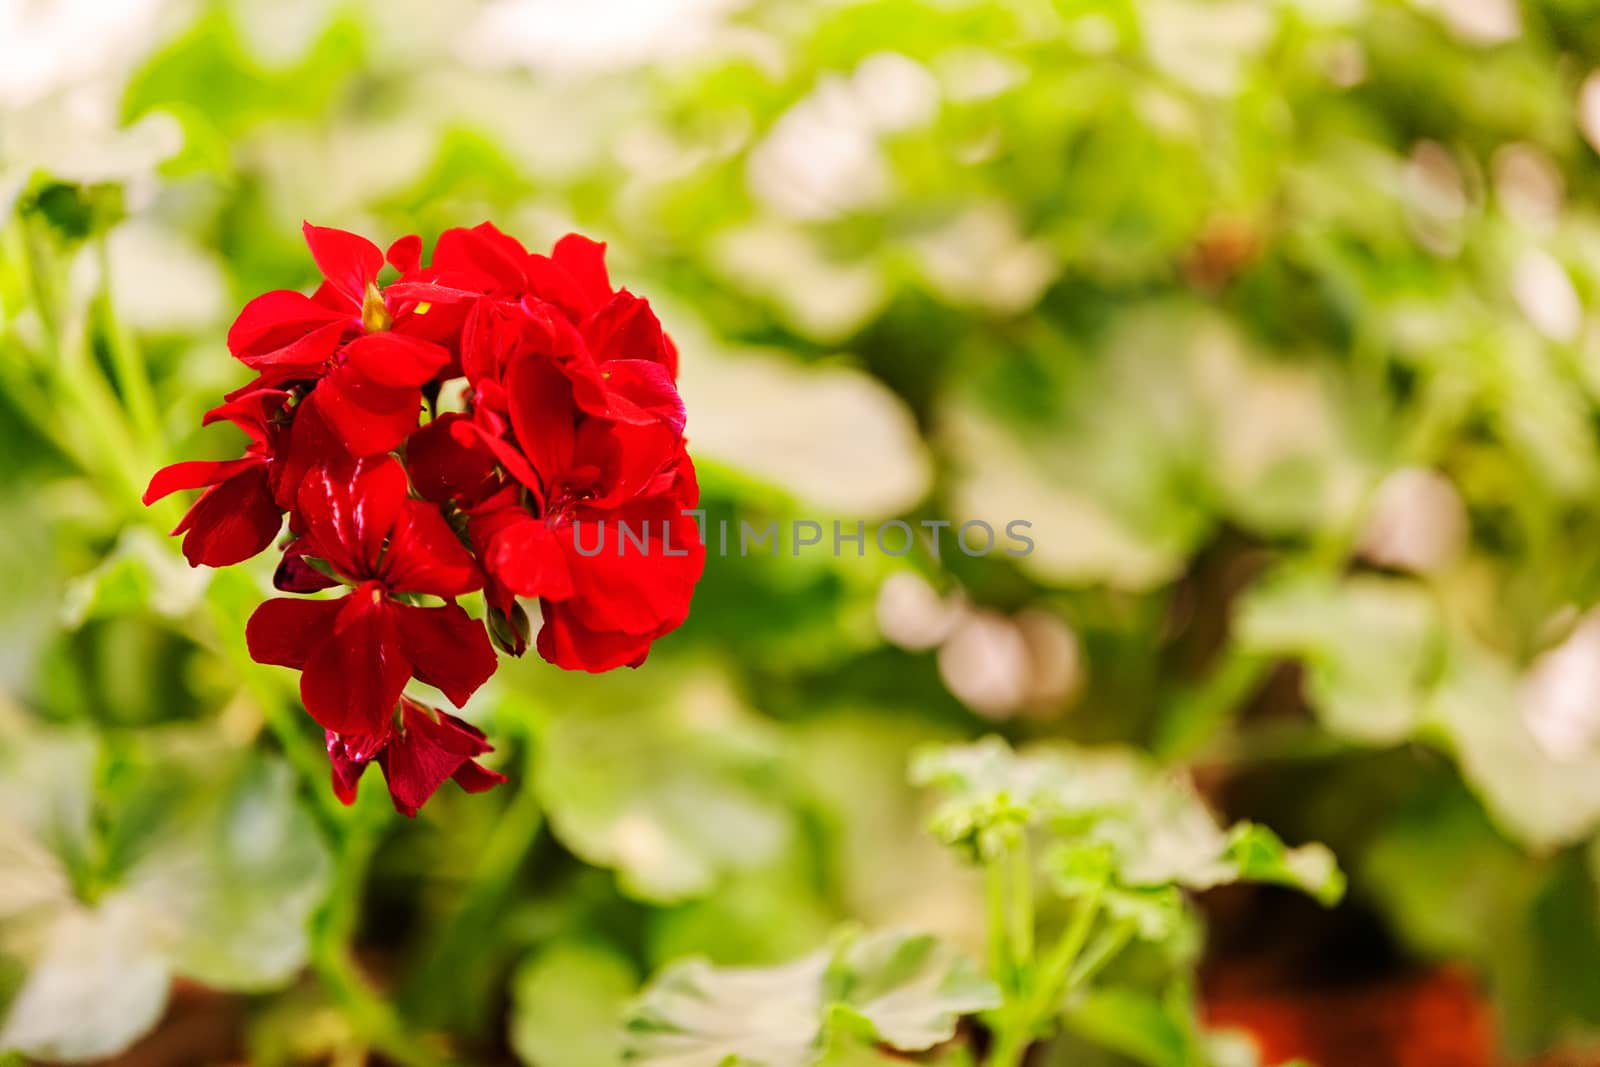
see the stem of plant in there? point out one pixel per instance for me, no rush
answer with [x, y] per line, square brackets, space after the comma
[374, 1020]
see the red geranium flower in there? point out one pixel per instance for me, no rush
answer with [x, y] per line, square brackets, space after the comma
[606, 546]
[237, 516]
[417, 754]
[357, 653]
[364, 368]
[562, 477]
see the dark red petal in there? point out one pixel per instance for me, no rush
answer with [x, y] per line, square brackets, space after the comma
[585, 261]
[348, 510]
[285, 631]
[446, 647]
[253, 412]
[405, 255]
[348, 758]
[233, 520]
[425, 556]
[348, 260]
[307, 444]
[393, 359]
[354, 677]
[515, 463]
[570, 645]
[473, 777]
[192, 474]
[368, 418]
[441, 466]
[433, 748]
[295, 575]
[543, 416]
[527, 557]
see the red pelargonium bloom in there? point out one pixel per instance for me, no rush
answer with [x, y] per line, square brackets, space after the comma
[357, 653]
[562, 306]
[357, 354]
[417, 755]
[562, 477]
[606, 546]
[238, 515]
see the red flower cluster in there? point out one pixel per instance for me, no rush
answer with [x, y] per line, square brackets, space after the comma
[561, 477]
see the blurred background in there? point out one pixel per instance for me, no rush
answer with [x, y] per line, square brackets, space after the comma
[1275, 319]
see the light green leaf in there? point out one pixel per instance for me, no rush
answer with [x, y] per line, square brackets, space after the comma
[236, 884]
[1134, 1023]
[1544, 802]
[670, 794]
[1150, 825]
[1368, 644]
[912, 990]
[697, 1015]
[907, 991]
[566, 1003]
[98, 982]
[168, 857]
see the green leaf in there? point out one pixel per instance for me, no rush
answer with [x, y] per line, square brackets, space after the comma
[565, 1005]
[911, 990]
[124, 867]
[97, 983]
[1118, 816]
[237, 883]
[697, 1015]
[669, 793]
[1544, 802]
[1369, 645]
[907, 991]
[1134, 1023]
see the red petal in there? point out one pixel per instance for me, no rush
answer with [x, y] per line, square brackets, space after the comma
[428, 753]
[348, 260]
[543, 416]
[648, 387]
[585, 261]
[626, 589]
[446, 648]
[349, 510]
[625, 328]
[441, 466]
[274, 322]
[470, 258]
[526, 556]
[570, 645]
[473, 777]
[232, 521]
[356, 674]
[285, 631]
[425, 556]
[308, 443]
[392, 359]
[366, 417]
[253, 412]
[192, 474]
[405, 254]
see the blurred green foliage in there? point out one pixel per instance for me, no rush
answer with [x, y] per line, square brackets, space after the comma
[1274, 319]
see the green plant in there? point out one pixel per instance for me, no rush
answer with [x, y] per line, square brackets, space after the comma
[1085, 854]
